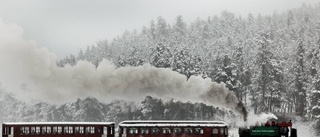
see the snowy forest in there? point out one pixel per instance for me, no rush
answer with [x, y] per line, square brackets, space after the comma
[92, 110]
[270, 62]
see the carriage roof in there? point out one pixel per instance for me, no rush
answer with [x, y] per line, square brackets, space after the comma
[57, 123]
[150, 123]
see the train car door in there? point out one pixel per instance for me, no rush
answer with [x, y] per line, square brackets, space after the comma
[207, 132]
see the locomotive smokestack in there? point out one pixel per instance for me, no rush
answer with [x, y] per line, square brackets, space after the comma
[242, 109]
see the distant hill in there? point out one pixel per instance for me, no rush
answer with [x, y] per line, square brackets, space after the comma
[91, 110]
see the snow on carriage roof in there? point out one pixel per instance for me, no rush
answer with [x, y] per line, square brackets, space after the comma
[58, 123]
[150, 123]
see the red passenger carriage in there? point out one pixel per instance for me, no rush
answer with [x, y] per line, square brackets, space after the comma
[173, 129]
[58, 129]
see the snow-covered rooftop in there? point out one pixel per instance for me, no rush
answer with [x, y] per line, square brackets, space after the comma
[58, 123]
[173, 124]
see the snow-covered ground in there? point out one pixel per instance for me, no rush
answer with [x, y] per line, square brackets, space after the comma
[304, 129]
[233, 132]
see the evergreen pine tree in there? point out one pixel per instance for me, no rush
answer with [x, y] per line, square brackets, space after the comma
[300, 86]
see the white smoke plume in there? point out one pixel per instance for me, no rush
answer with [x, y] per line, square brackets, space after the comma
[255, 119]
[32, 74]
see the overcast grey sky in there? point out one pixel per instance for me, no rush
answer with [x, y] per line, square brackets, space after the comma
[66, 26]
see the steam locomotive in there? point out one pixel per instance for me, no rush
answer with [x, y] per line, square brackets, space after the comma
[269, 129]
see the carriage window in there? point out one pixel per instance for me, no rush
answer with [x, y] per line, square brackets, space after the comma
[33, 130]
[214, 131]
[144, 131]
[133, 131]
[198, 131]
[177, 130]
[221, 131]
[226, 131]
[8, 130]
[65, 130]
[166, 130]
[68, 130]
[24, 130]
[38, 130]
[54, 130]
[48, 130]
[81, 130]
[155, 131]
[90, 130]
[78, 130]
[59, 130]
[188, 130]
[44, 130]
[21, 130]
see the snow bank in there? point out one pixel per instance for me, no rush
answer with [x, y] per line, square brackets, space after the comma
[304, 128]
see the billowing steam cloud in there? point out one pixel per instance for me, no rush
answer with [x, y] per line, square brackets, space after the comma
[32, 74]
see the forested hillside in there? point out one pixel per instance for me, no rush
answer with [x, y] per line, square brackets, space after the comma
[270, 62]
[91, 110]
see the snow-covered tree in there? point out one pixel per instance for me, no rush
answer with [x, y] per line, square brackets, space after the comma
[186, 63]
[228, 73]
[162, 29]
[179, 29]
[300, 86]
[161, 56]
[244, 74]
[269, 77]
[152, 108]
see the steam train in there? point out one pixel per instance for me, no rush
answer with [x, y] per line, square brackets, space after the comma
[269, 129]
[125, 129]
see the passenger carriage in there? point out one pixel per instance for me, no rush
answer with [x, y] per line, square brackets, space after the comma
[58, 129]
[173, 129]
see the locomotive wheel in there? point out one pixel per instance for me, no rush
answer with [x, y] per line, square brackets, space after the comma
[243, 132]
